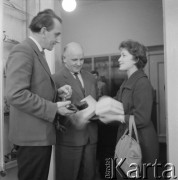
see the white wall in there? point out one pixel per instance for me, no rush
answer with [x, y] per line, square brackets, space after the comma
[171, 69]
[14, 21]
[101, 26]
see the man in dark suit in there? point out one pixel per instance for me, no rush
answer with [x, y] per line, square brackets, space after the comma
[101, 85]
[76, 147]
[31, 93]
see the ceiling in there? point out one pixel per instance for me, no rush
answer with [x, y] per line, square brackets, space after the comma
[82, 2]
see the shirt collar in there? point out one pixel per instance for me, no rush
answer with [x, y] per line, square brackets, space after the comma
[79, 73]
[36, 42]
[76, 73]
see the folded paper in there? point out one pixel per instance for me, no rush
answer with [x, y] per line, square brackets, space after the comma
[109, 106]
[82, 117]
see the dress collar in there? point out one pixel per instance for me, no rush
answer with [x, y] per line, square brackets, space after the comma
[129, 83]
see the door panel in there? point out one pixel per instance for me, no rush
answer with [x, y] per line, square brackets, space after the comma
[156, 75]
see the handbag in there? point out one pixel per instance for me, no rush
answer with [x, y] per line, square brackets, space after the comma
[128, 154]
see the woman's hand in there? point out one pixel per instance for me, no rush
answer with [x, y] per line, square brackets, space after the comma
[107, 118]
[109, 109]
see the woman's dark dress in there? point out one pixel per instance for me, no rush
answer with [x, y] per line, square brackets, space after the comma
[136, 94]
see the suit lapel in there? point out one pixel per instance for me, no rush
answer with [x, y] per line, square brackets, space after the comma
[87, 85]
[42, 61]
[69, 79]
[40, 56]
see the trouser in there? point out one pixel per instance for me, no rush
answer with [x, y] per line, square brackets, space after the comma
[76, 162]
[33, 162]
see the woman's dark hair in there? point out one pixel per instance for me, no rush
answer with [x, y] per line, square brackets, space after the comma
[44, 19]
[136, 49]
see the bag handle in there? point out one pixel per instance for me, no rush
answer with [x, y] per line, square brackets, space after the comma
[125, 132]
[132, 124]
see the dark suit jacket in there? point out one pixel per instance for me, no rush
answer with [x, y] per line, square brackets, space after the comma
[31, 93]
[74, 136]
[136, 94]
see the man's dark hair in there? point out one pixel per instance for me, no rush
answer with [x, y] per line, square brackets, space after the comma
[44, 19]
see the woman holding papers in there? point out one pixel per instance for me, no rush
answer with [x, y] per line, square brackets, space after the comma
[135, 97]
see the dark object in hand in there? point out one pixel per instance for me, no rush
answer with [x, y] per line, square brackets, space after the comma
[72, 107]
[78, 107]
[82, 105]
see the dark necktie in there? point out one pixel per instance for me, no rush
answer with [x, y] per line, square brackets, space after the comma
[79, 82]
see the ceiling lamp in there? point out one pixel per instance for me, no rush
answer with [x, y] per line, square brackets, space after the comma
[69, 5]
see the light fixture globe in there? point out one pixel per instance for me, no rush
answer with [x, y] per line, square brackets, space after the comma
[69, 5]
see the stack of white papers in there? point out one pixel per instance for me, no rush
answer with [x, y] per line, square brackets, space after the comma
[109, 109]
[106, 109]
[82, 117]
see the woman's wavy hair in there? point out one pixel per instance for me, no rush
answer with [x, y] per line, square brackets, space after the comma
[138, 51]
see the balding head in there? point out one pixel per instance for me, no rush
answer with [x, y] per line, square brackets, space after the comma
[72, 48]
[73, 56]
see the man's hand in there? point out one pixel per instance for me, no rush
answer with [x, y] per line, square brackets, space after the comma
[65, 92]
[81, 118]
[62, 109]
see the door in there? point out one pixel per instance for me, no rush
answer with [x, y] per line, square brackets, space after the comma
[156, 75]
